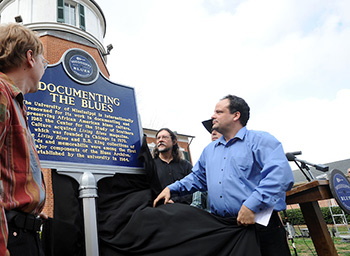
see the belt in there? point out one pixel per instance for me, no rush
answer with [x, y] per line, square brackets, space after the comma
[23, 220]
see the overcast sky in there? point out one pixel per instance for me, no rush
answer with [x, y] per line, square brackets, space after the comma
[288, 59]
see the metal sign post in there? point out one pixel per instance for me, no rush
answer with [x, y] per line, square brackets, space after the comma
[88, 193]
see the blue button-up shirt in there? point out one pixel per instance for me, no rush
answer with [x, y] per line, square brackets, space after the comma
[250, 169]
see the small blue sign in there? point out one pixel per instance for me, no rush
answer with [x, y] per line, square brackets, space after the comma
[81, 66]
[340, 188]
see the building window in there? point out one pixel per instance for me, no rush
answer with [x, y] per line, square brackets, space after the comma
[70, 12]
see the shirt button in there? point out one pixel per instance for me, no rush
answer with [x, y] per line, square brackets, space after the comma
[219, 182]
[220, 196]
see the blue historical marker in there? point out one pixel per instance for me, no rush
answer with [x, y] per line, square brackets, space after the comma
[340, 188]
[85, 127]
[79, 117]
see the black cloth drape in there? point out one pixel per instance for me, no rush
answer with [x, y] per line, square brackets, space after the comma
[64, 234]
[129, 225]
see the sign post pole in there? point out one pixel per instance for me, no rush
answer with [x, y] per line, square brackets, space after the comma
[88, 193]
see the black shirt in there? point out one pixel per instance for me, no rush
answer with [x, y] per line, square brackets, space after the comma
[169, 173]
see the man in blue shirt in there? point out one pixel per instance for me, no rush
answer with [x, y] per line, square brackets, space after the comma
[245, 172]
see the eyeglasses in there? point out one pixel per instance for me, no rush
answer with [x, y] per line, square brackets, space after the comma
[164, 137]
[46, 62]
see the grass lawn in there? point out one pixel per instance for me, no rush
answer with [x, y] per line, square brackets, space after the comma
[305, 247]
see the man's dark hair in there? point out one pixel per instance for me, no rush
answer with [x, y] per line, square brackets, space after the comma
[238, 104]
[175, 150]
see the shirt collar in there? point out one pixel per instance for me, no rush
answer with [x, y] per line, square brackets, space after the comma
[172, 160]
[239, 136]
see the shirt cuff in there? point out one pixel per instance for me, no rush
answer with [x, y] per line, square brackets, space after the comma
[173, 188]
[254, 204]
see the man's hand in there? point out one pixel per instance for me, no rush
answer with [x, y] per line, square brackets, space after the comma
[245, 216]
[165, 194]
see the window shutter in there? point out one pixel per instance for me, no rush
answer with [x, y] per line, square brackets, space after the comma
[60, 11]
[81, 17]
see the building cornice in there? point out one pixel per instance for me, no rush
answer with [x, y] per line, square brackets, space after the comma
[54, 26]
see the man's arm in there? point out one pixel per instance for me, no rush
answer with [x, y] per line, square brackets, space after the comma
[276, 175]
[189, 184]
[4, 123]
[3, 235]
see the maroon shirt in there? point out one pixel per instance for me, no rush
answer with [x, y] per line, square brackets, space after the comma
[21, 182]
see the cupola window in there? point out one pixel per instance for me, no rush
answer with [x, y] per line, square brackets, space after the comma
[69, 12]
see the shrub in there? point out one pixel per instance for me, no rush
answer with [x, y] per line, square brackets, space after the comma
[295, 217]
